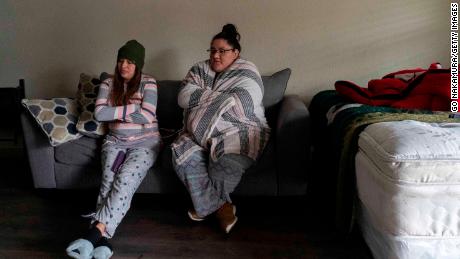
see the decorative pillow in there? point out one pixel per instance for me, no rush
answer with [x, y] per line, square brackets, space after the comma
[274, 87]
[88, 88]
[57, 118]
[104, 76]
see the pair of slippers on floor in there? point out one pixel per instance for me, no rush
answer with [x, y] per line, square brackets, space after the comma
[92, 246]
[83, 249]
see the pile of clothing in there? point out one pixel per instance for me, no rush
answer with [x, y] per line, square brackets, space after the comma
[426, 89]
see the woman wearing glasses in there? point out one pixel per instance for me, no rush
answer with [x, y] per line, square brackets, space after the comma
[225, 129]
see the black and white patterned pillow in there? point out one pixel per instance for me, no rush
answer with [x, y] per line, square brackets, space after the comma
[57, 118]
[88, 88]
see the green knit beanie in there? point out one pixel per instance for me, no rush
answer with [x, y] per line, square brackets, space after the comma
[133, 51]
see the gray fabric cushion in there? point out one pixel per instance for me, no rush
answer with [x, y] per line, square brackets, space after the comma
[82, 152]
[77, 177]
[169, 113]
[275, 85]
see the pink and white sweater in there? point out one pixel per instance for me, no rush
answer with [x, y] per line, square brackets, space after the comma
[134, 121]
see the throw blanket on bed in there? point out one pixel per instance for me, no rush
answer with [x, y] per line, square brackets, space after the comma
[223, 113]
[342, 134]
[427, 89]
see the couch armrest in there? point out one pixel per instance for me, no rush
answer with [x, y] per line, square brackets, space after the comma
[40, 153]
[292, 146]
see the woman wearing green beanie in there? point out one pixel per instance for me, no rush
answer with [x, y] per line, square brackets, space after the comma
[127, 102]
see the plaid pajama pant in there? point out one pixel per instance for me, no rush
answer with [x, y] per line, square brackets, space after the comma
[210, 183]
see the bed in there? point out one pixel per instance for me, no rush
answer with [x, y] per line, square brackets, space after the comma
[394, 173]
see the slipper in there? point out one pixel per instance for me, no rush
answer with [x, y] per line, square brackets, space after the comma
[80, 249]
[102, 252]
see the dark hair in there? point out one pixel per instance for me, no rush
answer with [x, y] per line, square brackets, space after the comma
[231, 35]
[118, 95]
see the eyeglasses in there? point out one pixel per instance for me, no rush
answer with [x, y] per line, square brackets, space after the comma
[220, 51]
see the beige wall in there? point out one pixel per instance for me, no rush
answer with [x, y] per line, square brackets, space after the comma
[49, 42]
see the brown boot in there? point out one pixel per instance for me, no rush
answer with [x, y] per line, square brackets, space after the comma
[226, 216]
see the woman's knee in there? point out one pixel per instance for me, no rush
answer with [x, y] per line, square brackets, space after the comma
[230, 165]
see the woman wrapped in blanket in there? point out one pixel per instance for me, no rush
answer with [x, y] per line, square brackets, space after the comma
[128, 103]
[225, 129]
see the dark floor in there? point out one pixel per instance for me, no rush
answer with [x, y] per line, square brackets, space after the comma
[39, 224]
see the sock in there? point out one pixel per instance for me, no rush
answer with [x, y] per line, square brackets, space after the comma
[104, 242]
[93, 235]
[103, 249]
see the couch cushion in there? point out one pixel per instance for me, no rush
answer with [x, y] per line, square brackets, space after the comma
[275, 86]
[169, 113]
[81, 152]
[88, 88]
[77, 177]
[57, 118]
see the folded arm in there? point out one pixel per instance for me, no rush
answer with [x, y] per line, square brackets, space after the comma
[133, 113]
[145, 113]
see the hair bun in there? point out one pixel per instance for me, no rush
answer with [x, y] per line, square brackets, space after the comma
[230, 30]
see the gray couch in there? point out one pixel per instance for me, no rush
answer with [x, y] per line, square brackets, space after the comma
[282, 169]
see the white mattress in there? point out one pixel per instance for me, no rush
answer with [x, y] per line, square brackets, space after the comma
[408, 181]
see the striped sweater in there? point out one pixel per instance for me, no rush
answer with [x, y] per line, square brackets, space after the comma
[223, 113]
[134, 121]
